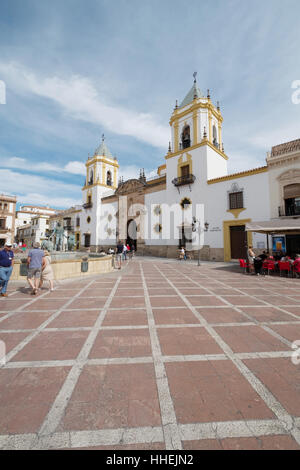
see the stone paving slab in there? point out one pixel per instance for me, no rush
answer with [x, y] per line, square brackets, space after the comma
[160, 355]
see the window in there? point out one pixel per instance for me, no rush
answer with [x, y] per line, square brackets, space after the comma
[236, 200]
[186, 137]
[108, 179]
[215, 141]
[185, 170]
[78, 222]
[157, 228]
[157, 210]
[91, 180]
[292, 199]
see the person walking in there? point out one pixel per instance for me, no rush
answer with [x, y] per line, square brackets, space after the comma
[6, 267]
[119, 251]
[47, 271]
[124, 252]
[35, 262]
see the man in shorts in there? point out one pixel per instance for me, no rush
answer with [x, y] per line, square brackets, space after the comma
[119, 251]
[35, 262]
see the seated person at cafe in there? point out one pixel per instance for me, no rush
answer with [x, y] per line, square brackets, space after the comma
[296, 265]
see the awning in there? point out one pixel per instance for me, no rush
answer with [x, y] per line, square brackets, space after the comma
[275, 226]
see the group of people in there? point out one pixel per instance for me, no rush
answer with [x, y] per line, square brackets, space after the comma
[122, 250]
[256, 262]
[39, 268]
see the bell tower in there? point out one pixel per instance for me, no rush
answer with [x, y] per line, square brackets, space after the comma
[102, 171]
[196, 130]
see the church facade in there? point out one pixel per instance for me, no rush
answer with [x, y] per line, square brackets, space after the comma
[193, 201]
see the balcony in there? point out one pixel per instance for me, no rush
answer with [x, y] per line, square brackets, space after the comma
[87, 205]
[3, 229]
[290, 210]
[183, 180]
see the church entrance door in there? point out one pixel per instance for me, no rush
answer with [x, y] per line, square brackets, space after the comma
[131, 233]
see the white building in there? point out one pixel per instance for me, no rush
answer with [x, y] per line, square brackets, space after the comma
[69, 219]
[35, 231]
[7, 218]
[192, 183]
[27, 212]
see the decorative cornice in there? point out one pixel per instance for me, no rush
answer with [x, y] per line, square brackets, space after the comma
[195, 105]
[283, 159]
[241, 174]
[193, 147]
[130, 186]
[97, 159]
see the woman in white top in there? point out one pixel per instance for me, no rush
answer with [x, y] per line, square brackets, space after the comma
[251, 256]
[47, 272]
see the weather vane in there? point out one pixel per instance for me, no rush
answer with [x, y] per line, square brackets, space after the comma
[195, 75]
[103, 137]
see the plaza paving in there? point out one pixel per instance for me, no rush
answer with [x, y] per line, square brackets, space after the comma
[160, 355]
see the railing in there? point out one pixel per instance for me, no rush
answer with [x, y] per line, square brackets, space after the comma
[87, 205]
[181, 180]
[289, 212]
[70, 228]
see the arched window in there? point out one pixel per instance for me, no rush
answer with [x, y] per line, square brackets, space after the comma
[108, 178]
[186, 137]
[91, 180]
[215, 137]
[291, 194]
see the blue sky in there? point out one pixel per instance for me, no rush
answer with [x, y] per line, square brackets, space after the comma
[76, 69]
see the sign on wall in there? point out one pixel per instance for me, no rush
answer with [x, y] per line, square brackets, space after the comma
[278, 243]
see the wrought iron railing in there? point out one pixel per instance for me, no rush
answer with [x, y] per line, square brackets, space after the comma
[87, 205]
[181, 180]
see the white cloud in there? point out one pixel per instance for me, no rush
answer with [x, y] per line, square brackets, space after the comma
[77, 168]
[40, 190]
[79, 99]
[74, 167]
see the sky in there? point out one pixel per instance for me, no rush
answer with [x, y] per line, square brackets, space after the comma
[77, 69]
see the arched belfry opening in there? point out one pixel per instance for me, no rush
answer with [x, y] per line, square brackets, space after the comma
[215, 137]
[108, 178]
[186, 137]
[91, 179]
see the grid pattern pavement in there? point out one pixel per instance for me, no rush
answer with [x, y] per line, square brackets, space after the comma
[160, 355]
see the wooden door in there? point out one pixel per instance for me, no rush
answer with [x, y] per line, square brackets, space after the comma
[238, 242]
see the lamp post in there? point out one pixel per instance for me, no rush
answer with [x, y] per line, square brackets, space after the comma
[199, 229]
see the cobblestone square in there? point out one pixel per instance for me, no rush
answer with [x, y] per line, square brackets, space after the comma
[160, 355]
